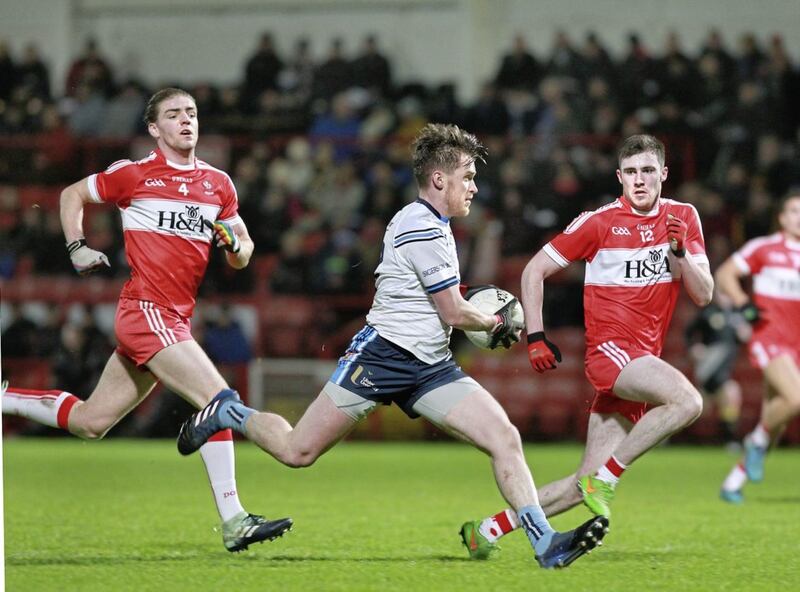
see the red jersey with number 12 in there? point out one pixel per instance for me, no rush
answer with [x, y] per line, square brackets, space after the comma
[164, 206]
[632, 280]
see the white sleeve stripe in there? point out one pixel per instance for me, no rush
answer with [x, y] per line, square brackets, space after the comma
[741, 263]
[697, 219]
[752, 245]
[559, 259]
[91, 181]
[115, 166]
[234, 220]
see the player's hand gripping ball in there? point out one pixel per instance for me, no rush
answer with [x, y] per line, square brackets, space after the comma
[507, 309]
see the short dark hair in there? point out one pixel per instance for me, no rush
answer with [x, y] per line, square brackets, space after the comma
[442, 146]
[639, 143]
[151, 111]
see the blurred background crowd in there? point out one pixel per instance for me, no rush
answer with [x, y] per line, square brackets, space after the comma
[319, 152]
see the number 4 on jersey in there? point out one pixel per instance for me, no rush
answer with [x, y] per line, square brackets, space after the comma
[183, 189]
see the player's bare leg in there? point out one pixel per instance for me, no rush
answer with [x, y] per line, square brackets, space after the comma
[480, 420]
[322, 425]
[676, 403]
[604, 434]
[122, 386]
[728, 400]
[781, 404]
[186, 369]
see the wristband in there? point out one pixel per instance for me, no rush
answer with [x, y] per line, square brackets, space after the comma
[75, 245]
[534, 337]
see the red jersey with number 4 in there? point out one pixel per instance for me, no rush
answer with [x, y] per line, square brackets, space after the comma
[164, 206]
[774, 263]
[632, 280]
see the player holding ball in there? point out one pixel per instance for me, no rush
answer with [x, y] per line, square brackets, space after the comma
[402, 355]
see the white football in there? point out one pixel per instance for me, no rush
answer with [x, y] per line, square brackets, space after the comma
[490, 300]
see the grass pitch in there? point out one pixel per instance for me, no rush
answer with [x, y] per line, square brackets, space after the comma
[133, 515]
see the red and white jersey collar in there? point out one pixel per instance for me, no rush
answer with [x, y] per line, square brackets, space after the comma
[626, 205]
[181, 167]
[790, 243]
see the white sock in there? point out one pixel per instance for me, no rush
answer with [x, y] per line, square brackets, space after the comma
[735, 479]
[39, 406]
[221, 468]
[611, 471]
[760, 436]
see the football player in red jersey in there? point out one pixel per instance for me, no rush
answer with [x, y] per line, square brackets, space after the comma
[774, 263]
[638, 250]
[174, 207]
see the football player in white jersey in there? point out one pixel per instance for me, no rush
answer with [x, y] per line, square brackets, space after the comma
[774, 263]
[168, 202]
[402, 355]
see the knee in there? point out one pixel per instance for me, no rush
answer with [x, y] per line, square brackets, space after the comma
[85, 426]
[692, 405]
[300, 459]
[506, 440]
[794, 406]
[90, 431]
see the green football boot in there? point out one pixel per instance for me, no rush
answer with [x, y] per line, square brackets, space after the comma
[479, 546]
[597, 495]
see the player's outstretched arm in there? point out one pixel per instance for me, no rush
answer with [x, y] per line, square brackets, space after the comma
[73, 199]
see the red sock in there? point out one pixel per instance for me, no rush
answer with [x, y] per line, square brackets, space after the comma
[611, 471]
[496, 526]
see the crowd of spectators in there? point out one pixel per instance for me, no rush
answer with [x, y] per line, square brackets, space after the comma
[318, 149]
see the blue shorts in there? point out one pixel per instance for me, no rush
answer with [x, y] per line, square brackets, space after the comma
[378, 370]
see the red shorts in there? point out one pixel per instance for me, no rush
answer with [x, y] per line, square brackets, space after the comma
[143, 329]
[603, 365]
[763, 351]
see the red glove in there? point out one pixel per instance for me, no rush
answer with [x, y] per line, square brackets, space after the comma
[677, 230]
[542, 352]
